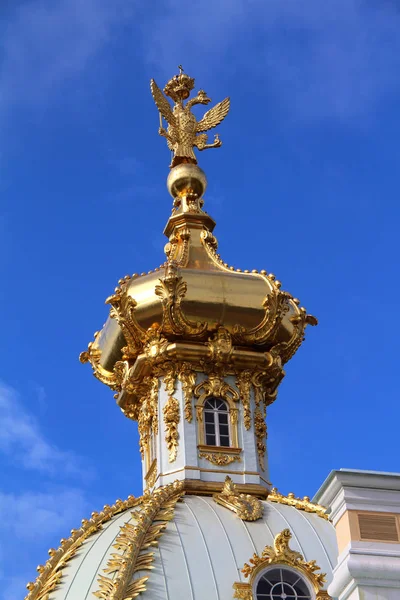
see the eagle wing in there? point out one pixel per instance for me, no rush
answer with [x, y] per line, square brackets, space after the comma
[162, 103]
[214, 116]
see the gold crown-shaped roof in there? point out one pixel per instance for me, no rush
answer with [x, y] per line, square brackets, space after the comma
[195, 307]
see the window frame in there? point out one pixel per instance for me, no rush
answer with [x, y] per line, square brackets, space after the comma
[216, 412]
[283, 567]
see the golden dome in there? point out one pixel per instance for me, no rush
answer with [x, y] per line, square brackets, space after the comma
[195, 298]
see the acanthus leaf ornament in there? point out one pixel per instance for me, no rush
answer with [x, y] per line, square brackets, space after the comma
[123, 311]
[260, 429]
[119, 581]
[275, 305]
[51, 574]
[280, 554]
[220, 459]
[244, 383]
[187, 377]
[171, 290]
[171, 413]
[184, 131]
[247, 508]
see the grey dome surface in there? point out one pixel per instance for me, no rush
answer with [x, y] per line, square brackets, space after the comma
[202, 551]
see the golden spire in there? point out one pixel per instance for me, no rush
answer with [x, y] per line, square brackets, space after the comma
[184, 132]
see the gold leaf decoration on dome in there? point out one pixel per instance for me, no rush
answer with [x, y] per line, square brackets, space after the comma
[275, 305]
[171, 290]
[184, 131]
[93, 356]
[123, 311]
[220, 346]
[187, 377]
[304, 504]
[247, 508]
[280, 554]
[119, 582]
[177, 249]
[51, 573]
[244, 383]
[286, 350]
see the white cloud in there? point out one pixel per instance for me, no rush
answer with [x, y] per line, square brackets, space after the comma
[34, 515]
[337, 58]
[23, 442]
[31, 522]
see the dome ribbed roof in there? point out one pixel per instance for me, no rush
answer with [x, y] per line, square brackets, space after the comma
[201, 552]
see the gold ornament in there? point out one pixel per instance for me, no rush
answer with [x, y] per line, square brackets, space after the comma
[220, 346]
[171, 420]
[172, 289]
[132, 542]
[243, 382]
[187, 377]
[247, 508]
[123, 311]
[304, 504]
[184, 131]
[93, 356]
[215, 385]
[51, 573]
[220, 459]
[280, 554]
[260, 429]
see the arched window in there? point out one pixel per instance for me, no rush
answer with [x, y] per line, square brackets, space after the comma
[216, 422]
[282, 582]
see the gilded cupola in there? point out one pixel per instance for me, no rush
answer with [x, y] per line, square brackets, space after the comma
[194, 349]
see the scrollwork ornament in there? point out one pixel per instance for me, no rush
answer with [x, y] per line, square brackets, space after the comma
[171, 420]
[171, 290]
[244, 383]
[93, 356]
[281, 554]
[219, 459]
[187, 377]
[220, 346]
[215, 385]
[275, 305]
[123, 311]
[247, 508]
[260, 429]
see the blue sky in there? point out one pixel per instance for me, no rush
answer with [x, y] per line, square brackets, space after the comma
[305, 186]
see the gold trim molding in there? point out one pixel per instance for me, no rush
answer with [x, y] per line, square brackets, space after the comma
[280, 554]
[247, 508]
[304, 504]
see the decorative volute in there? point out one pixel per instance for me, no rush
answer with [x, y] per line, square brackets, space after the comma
[195, 349]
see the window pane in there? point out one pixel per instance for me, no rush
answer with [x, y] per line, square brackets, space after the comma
[208, 417]
[223, 418]
[210, 428]
[224, 441]
[224, 430]
[210, 439]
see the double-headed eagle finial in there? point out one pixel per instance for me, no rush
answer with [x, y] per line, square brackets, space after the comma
[184, 132]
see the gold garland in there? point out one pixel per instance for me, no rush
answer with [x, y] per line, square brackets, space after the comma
[51, 573]
[151, 520]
